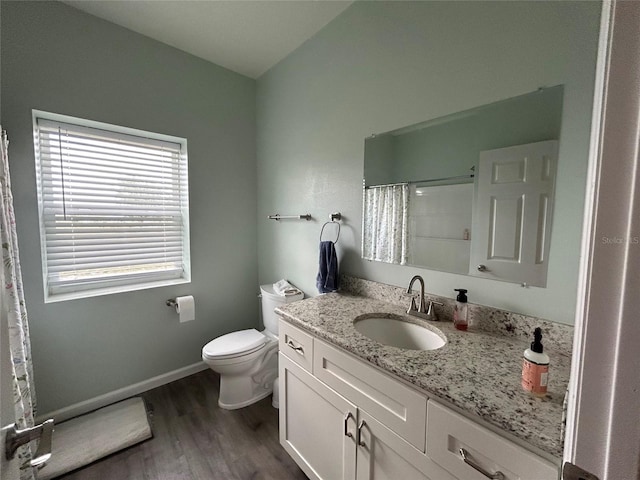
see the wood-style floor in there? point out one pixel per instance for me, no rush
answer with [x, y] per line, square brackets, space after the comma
[195, 439]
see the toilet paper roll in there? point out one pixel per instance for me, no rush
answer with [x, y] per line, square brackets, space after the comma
[186, 308]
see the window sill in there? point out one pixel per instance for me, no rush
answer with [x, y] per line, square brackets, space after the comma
[98, 292]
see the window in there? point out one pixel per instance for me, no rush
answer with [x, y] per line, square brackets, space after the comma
[113, 205]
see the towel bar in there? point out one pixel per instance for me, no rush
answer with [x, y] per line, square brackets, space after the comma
[277, 216]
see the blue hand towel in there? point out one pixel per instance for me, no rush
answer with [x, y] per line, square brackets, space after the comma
[327, 279]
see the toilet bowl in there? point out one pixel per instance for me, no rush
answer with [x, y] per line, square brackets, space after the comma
[247, 360]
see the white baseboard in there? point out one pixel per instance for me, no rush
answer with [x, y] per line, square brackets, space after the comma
[115, 396]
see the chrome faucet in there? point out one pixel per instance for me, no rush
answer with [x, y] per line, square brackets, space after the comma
[421, 310]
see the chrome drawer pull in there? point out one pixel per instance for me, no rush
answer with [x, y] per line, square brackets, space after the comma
[494, 476]
[360, 441]
[300, 350]
[346, 420]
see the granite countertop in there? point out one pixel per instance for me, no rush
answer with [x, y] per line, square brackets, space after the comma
[479, 372]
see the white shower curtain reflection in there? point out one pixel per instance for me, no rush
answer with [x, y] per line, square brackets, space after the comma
[385, 235]
[13, 307]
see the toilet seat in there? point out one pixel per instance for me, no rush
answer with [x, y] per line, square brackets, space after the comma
[234, 344]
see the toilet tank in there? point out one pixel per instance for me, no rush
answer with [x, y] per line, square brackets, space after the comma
[271, 300]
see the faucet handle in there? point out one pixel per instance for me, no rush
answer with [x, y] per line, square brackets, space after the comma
[431, 311]
[412, 308]
[422, 305]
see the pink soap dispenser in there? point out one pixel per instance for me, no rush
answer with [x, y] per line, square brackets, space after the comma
[461, 310]
[535, 367]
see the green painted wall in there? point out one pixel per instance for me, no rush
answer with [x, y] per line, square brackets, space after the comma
[452, 147]
[56, 58]
[379, 164]
[383, 65]
[377, 67]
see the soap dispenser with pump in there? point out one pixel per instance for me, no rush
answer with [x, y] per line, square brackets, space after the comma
[535, 366]
[461, 310]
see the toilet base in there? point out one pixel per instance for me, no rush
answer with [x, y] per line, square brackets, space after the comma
[275, 402]
[237, 391]
[246, 403]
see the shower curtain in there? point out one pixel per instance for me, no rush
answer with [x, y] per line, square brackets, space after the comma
[386, 215]
[14, 308]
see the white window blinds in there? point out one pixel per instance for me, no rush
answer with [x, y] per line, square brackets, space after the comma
[113, 207]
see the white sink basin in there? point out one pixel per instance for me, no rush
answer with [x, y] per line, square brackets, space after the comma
[396, 332]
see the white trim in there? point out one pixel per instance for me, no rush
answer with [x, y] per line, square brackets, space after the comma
[588, 229]
[603, 434]
[107, 127]
[98, 292]
[121, 394]
[122, 148]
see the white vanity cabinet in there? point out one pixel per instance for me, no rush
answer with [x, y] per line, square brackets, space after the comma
[343, 419]
[315, 424]
[332, 439]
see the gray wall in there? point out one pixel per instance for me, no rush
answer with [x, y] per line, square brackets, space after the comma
[57, 59]
[379, 164]
[451, 148]
[384, 65]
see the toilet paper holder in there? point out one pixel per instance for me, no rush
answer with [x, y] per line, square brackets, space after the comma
[184, 307]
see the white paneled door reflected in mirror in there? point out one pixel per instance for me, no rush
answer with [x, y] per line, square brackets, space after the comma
[429, 200]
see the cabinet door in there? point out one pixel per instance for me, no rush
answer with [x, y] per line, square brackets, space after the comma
[383, 455]
[317, 426]
[397, 406]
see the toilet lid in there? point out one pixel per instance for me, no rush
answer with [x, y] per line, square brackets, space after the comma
[234, 343]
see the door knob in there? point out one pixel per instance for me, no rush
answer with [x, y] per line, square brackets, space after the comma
[16, 438]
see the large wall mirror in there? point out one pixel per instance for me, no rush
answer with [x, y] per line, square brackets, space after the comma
[469, 193]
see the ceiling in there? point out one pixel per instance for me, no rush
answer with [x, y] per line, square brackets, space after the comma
[246, 36]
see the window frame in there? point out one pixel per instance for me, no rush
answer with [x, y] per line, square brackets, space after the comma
[126, 282]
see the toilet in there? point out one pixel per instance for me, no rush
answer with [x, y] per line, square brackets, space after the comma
[247, 360]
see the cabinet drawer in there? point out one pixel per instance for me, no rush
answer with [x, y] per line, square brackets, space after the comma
[448, 432]
[396, 406]
[296, 344]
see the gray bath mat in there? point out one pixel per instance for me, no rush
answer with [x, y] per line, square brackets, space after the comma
[85, 439]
